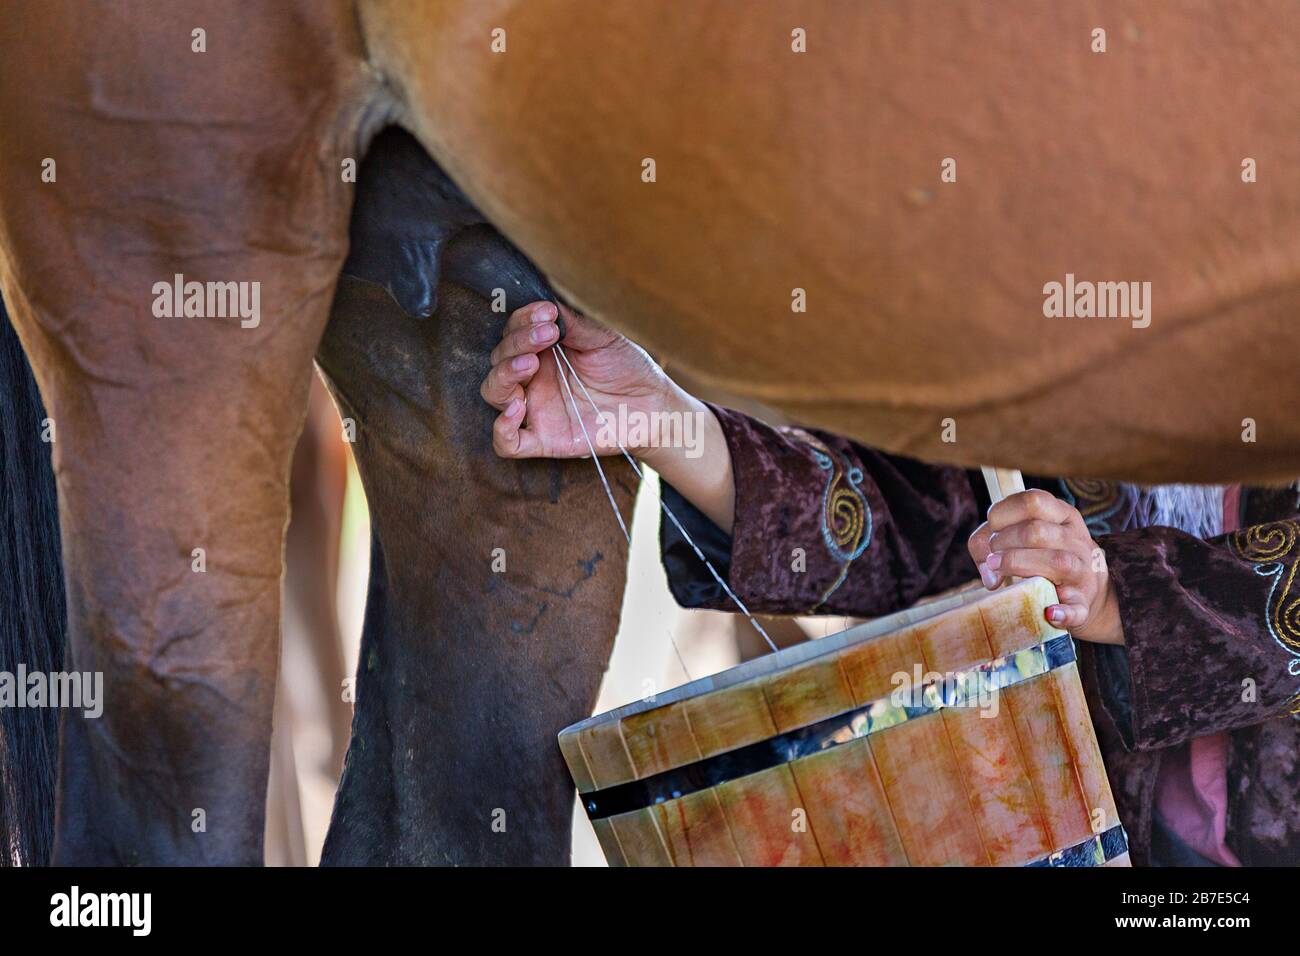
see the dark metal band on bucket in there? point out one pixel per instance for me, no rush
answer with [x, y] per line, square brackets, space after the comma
[1094, 851]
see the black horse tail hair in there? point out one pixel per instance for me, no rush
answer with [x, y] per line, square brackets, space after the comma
[33, 616]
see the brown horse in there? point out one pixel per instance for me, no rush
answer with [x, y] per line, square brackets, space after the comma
[850, 212]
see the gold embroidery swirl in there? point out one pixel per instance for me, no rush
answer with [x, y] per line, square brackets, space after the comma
[846, 515]
[1275, 543]
[1265, 542]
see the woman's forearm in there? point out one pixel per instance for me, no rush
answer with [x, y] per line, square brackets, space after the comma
[701, 474]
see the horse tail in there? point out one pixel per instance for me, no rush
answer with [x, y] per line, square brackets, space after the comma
[33, 617]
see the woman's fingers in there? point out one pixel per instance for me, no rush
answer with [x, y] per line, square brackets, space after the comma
[1034, 533]
[531, 314]
[990, 578]
[1066, 616]
[509, 438]
[580, 332]
[1059, 567]
[978, 543]
[526, 340]
[1028, 506]
[507, 379]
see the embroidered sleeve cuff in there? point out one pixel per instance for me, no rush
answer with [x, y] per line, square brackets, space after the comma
[826, 526]
[1207, 642]
[777, 559]
[688, 579]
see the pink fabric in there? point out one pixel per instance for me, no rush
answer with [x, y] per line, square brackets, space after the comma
[1192, 786]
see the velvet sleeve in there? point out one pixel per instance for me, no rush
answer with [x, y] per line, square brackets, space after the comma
[823, 525]
[1211, 629]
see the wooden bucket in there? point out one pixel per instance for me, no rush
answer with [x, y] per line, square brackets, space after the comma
[853, 750]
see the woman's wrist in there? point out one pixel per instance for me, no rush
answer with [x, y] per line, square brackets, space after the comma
[676, 425]
[698, 462]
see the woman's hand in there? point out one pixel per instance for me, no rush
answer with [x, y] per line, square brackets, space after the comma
[537, 420]
[1032, 533]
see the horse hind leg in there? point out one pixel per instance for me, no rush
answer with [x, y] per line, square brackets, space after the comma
[494, 600]
[495, 586]
[173, 431]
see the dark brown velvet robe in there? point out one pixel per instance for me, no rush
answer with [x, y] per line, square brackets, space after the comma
[1212, 627]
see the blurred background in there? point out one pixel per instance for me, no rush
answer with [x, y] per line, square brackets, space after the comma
[327, 560]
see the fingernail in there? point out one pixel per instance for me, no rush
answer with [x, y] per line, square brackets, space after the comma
[994, 560]
[514, 408]
[521, 363]
[988, 577]
[544, 312]
[543, 333]
[1056, 614]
